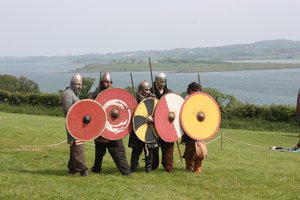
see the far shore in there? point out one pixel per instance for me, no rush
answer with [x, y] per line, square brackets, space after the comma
[185, 67]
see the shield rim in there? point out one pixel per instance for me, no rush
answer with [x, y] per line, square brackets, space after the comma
[179, 112]
[107, 114]
[67, 116]
[153, 127]
[218, 109]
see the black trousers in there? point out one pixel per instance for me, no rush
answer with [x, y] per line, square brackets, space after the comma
[117, 151]
[151, 158]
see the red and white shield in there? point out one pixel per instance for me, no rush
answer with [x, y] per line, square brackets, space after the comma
[166, 117]
[86, 120]
[119, 105]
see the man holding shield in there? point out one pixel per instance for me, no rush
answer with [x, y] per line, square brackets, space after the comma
[167, 148]
[151, 149]
[76, 161]
[115, 147]
[195, 151]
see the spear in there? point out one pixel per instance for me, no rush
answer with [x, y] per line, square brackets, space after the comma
[154, 92]
[199, 79]
[132, 85]
[151, 76]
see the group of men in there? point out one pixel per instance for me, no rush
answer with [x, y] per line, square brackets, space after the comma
[116, 147]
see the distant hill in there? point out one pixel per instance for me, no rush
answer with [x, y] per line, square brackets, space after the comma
[268, 49]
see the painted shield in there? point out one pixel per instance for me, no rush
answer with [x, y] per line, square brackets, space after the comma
[166, 117]
[143, 122]
[298, 104]
[200, 116]
[119, 106]
[86, 120]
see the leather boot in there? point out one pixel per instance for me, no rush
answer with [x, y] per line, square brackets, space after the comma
[189, 162]
[197, 166]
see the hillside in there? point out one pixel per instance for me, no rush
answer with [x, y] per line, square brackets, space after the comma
[268, 49]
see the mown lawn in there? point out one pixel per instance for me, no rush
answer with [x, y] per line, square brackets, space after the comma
[34, 158]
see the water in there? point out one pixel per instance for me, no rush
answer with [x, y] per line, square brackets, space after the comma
[258, 87]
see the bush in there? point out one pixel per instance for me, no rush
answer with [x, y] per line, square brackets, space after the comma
[43, 99]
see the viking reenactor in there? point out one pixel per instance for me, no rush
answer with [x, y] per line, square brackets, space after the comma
[115, 147]
[71, 96]
[137, 145]
[195, 151]
[159, 89]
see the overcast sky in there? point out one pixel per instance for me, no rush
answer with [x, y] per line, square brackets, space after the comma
[74, 27]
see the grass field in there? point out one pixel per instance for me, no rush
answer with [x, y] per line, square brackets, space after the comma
[185, 67]
[34, 158]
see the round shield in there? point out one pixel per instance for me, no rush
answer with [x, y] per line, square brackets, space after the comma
[143, 122]
[119, 105]
[166, 117]
[86, 120]
[200, 116]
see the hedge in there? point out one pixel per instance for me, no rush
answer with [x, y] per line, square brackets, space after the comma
[43, 99]
[272, 113]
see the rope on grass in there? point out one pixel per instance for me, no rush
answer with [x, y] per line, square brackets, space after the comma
[214, 140]
[45, 146]
[252, 145]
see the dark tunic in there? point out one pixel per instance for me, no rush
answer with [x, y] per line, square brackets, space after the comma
[115, 148]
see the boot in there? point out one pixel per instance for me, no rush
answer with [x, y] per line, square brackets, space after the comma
[197, 166]
[189, 162]
[134, 160]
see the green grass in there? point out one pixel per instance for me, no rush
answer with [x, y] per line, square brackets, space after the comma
[185, 67]
[31, 170]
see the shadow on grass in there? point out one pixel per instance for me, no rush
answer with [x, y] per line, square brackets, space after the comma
[54, 172]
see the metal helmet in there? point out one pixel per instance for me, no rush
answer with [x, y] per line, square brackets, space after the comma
[160, 80]
[144, 85]
[106, 77]
[76, 78]
[160, 76]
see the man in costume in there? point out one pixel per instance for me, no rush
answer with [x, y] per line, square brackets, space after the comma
[195, 151]
[76, 161]
[144, 91]
[167, 148]
[115, 147]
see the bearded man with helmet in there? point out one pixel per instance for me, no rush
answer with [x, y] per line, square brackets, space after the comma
[115, 147]
[167, 148]
[70, 96]
[150, 149]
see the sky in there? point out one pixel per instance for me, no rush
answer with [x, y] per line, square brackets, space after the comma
[76, 27]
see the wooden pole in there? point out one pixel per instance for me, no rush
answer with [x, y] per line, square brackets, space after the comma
[179, 151]
[199, 79]
[221, 139]
[151, 75]
[132, 85]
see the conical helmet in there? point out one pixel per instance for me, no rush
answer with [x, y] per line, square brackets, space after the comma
[160, 80]
[105, 76]
[143, 85]
[160, 76]
[76, 78]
